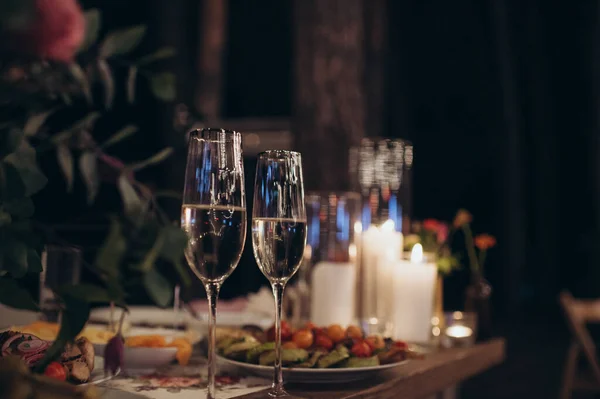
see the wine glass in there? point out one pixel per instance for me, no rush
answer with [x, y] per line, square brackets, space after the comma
[213, 215]
[278, 232]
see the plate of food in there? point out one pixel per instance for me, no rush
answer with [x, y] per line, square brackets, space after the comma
[314, 354]
[78, 363]
[145, 348]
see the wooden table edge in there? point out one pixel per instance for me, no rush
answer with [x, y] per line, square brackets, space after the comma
[424, 377]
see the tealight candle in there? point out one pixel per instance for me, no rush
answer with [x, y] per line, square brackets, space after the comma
[458, 331]
[413, 293]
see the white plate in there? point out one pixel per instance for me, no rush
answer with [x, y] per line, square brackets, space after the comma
[314, 375]
[97, 376]
[149, 315]
[142, 315]
[142, 359]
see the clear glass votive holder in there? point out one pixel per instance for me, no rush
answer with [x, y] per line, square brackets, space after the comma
[460, 329]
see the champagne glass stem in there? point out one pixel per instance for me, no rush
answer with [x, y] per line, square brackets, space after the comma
[278, 376]
[212, 292]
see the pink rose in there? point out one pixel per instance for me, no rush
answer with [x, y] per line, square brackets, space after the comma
[56, 32]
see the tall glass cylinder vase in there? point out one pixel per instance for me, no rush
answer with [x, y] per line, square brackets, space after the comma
[327, 281]
[381, 169]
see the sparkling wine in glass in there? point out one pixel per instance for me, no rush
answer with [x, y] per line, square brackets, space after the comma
[213, 215]
[278, 232]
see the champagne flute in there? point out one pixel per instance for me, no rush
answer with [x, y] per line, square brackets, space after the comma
[278, 232]
[213, 215]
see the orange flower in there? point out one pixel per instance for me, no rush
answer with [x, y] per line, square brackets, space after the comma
[485, 241]
[431, 225]
[462, 217]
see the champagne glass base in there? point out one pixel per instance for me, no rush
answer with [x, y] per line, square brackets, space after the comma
[280, 393]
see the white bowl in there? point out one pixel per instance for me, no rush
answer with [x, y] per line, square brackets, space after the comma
[139, 359]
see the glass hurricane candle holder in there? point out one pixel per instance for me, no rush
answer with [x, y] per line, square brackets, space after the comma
[461, 329]
[381, 169]
[330, 255]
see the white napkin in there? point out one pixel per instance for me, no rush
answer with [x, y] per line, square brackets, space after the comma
[261, 301]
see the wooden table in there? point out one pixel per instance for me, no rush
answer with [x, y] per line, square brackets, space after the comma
[414, 380]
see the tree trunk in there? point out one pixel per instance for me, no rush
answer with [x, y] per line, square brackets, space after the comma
[213, 32]
[330, 95]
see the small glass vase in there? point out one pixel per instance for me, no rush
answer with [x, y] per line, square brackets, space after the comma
[477, 300]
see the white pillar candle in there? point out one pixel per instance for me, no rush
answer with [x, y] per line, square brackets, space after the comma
[332, 296]
[381, 250]
[414, 287]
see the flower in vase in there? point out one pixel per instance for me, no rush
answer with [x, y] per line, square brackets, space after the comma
[462, 217]
[431, 224]
[56, 32]
[485, 241]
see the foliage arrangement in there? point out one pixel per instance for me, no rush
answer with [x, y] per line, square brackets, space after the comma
[483, 242]
[61, 69]
[435, 237]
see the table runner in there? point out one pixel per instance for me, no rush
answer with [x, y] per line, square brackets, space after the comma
[189, 382]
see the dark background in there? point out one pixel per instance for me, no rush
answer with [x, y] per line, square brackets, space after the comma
[500, 99]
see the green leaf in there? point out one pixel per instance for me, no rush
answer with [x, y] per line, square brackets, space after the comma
[14, 187]
[81, 78]
[10, 141]
[154, 159]
[122, 41]
[93, 21]
[5, 219]
[34, 262]
[20, 208]
[65, 161]
[15, 258]
[35, 122]
[122, 134]
[24, 161]
[88, 166]
[131, 200]
[131, 79]
[108, 82]
[161, 54]
[85, 292]
[109, 257]
[14, 296]
[152, 255]
[163, 86]
[84, 123]
[74, 316]
[175, 242]
[158, 287]
[183, 273]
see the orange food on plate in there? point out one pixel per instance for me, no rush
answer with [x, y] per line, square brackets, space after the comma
[184, 350]
[375, 342]
[146, 341]
[303, 338]
[289, 345]
[336, 333]
[183, 345]
[354, 332]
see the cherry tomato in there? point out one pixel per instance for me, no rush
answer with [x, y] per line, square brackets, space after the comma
[286, 332]
[335, 332]
[310, 326]
[289, 345]
[323, 341]
[400, 344]
[303, 338]
[361, 349]
[354, 332]
[56, 370]
[375, 342]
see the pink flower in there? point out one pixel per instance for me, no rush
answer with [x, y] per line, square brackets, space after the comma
[442, 233]
[56, 32]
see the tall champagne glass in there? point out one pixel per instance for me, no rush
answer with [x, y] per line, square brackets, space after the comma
[213, 215]
[278, 232]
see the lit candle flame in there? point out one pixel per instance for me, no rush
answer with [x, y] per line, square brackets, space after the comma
[416, 255]
[389, 225]
[358, 227]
